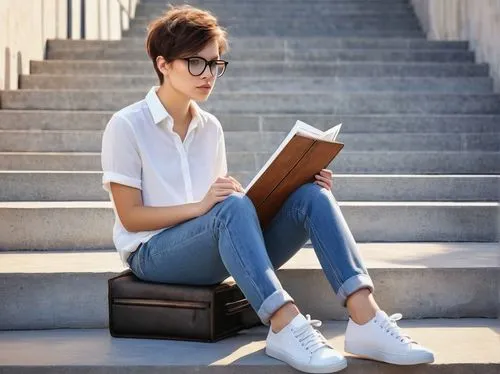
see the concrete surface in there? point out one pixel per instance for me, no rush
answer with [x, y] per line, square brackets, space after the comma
[269, 102]
[311, 84]
[372, 123]
[387, 55]
[265, 68]
[251, 141]
[86, 186]
[476, 21]
[370, 162]
[95, 351]
[419, 280]
[88, 225]
[279, 43]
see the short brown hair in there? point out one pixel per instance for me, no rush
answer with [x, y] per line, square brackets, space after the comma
[182, 31]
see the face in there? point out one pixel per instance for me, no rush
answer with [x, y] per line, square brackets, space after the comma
[177, 74]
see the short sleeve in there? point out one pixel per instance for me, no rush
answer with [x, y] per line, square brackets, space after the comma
[221, 161]
[120, 158]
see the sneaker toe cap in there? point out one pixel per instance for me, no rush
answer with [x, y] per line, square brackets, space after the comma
[327, 356]
[425, 355]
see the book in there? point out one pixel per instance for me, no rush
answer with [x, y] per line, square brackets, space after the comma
[303, 153]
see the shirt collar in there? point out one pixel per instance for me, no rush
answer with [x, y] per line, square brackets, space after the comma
[160, 114]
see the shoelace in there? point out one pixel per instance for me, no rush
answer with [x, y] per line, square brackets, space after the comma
[390, 326]
[313, 339]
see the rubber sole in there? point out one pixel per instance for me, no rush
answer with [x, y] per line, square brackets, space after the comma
[333, 368]
[390, 358]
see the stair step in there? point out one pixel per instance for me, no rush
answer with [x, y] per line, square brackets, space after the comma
[274, 2]
[279, 6]
[381, 162]
[32, 223]
[305, 31]
[340, 18]
[403, 123]
[267, 102]
[260, 2]
[297, 33]
[341, 84]
[419, 280]
[302, 44]
[97, 352]
[420, 123]
[86, 186]
[331, 8]
[387, 55]
[251, 141]
[222, 10]
[263, 27]
[273, 69]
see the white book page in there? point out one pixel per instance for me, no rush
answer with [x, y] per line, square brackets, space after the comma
[301, 128]
[332, 133]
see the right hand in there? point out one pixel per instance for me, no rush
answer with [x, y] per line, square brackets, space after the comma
[219, 191]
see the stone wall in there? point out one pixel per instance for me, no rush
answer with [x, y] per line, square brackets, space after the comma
[26, 25]
[477, 21]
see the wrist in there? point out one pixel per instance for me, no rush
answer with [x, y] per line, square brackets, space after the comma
[198, 209]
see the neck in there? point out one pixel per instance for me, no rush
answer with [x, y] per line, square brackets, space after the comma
[176, 104]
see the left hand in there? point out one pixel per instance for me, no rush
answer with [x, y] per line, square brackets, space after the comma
[324, 179]
[238, 184]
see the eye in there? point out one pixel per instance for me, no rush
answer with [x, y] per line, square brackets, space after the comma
[196, 62]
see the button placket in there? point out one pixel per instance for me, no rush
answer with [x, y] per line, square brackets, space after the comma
[185, 168]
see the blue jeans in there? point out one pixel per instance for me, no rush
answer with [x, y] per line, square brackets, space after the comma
[228, 241]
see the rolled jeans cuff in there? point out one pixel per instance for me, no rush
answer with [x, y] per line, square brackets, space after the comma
[272, 303]
[353, 284]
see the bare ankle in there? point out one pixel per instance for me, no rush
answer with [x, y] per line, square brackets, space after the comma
[283, 316]
[362, 306]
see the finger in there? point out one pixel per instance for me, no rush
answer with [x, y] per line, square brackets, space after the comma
[322, 178]
[224, 179]
[320, 184]
[223, 184]
[223, 192]
[326, 172]
[324, 185]
[328, 180]
[238, 184]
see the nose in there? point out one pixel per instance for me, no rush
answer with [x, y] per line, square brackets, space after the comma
[206, 75]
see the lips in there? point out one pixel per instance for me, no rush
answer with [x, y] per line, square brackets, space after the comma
[205, 87]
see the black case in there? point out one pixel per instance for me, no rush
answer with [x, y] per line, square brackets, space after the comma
[139, 309]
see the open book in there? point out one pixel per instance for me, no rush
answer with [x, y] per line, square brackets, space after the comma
[300, 156]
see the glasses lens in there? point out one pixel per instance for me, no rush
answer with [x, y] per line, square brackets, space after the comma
[196, 65]
[217, 68]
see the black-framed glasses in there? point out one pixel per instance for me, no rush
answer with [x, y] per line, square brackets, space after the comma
[197, 65]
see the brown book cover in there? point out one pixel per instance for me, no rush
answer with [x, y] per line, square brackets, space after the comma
[300, 159]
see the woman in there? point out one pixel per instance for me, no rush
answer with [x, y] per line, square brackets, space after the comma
[181, 219]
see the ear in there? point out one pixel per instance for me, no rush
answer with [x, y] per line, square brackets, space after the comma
[163, 65]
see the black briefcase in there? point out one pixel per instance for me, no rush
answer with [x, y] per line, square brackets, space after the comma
[139, 309]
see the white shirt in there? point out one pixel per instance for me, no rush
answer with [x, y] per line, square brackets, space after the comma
[141, 150]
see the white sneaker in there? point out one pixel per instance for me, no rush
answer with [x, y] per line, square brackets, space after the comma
[304, 348]
[381, 339]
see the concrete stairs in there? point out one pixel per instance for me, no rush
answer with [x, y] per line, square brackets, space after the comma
[94, 351]
[418, 182]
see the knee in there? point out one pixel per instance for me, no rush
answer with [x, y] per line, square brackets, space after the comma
[236, 203]
[313, 193]
[312, 199]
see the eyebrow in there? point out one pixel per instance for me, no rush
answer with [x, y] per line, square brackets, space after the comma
[210, 59]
